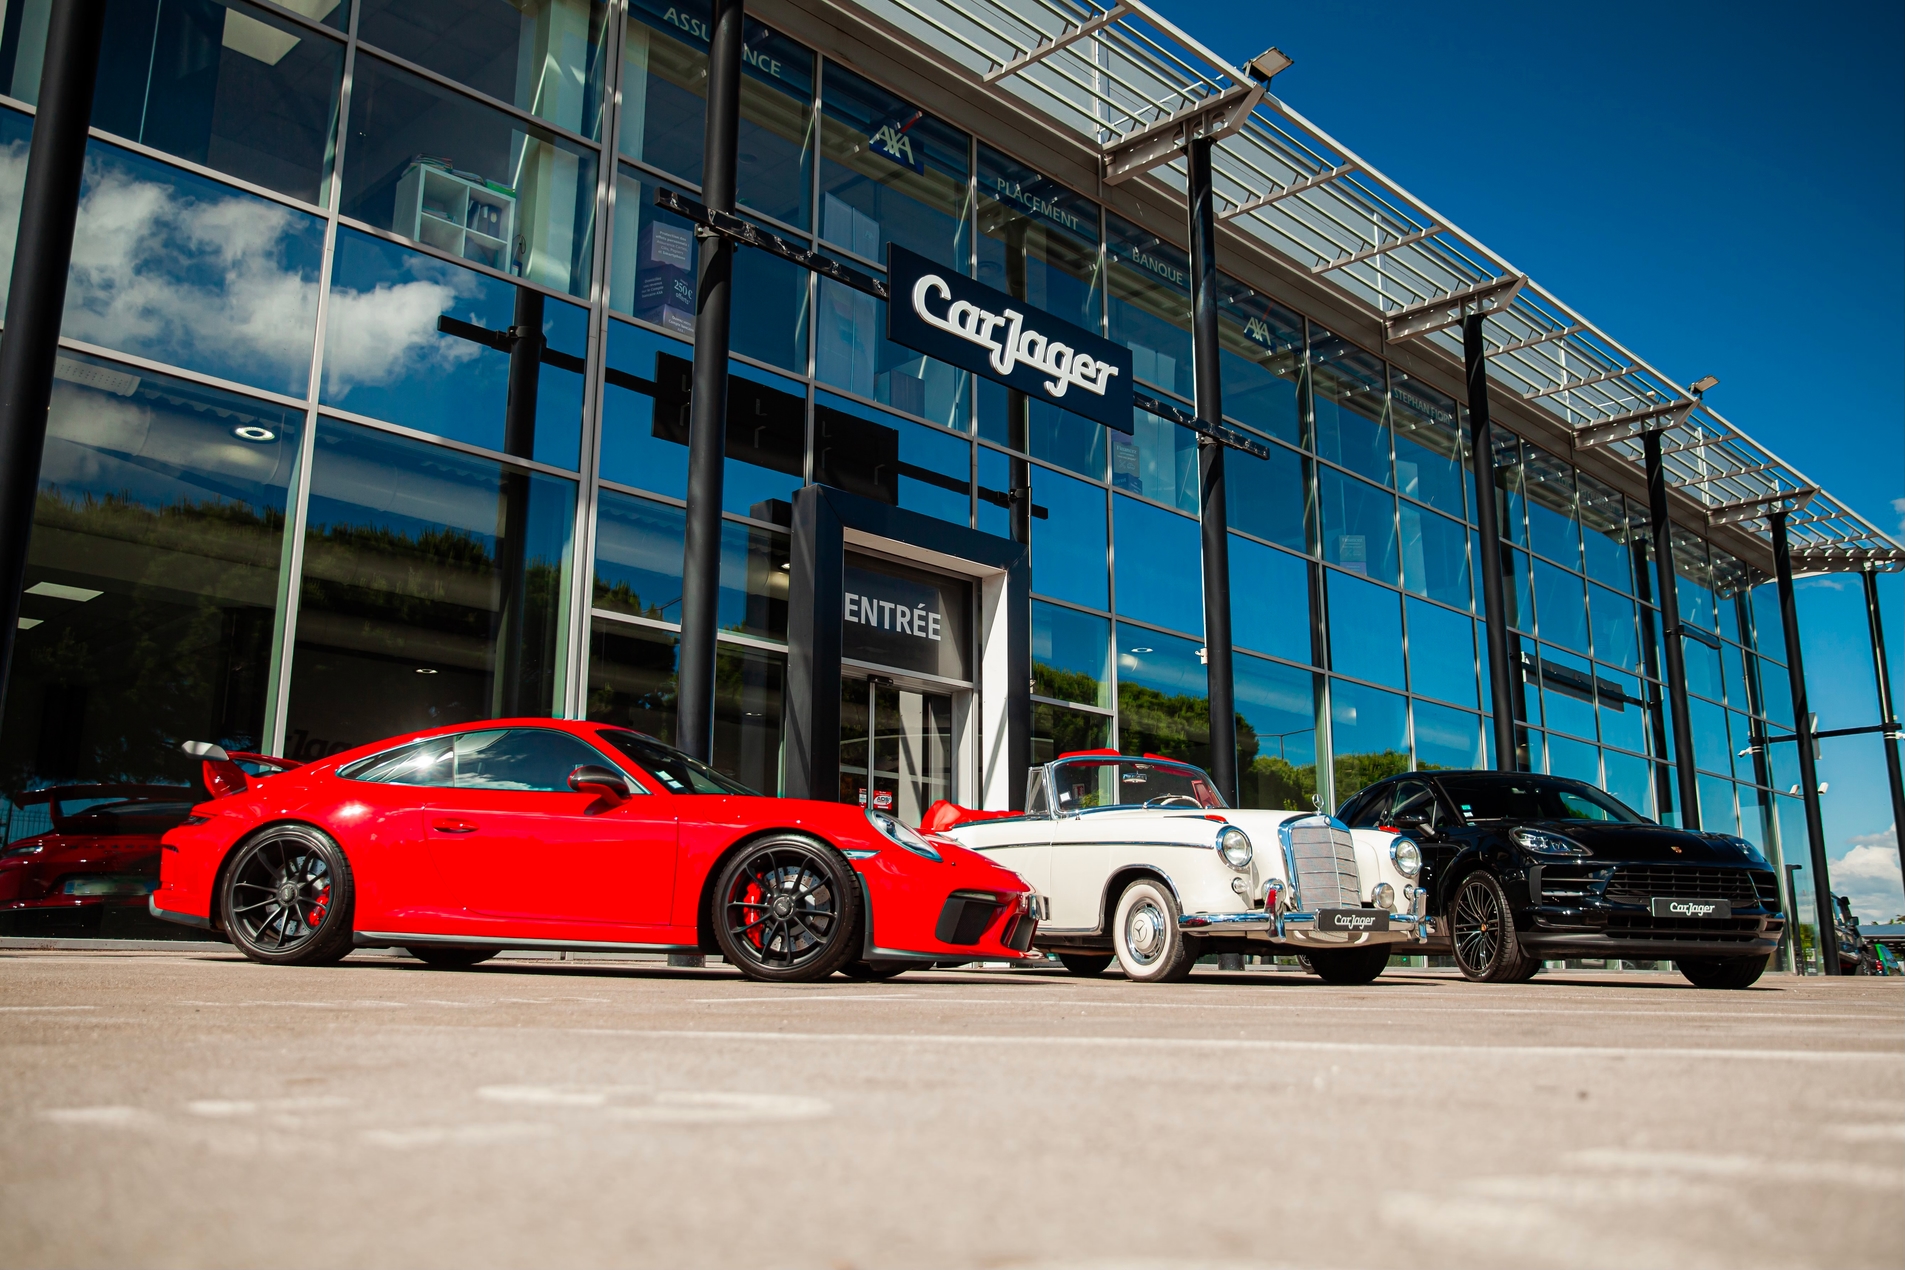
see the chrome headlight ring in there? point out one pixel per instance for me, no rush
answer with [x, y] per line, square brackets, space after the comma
[1233, 844]
[1406, 856]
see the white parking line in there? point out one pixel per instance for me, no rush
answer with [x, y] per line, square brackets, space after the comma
[21, 1009]
[1217, 1043]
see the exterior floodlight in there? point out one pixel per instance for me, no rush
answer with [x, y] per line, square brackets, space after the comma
[1699, 386]
[1270, 63]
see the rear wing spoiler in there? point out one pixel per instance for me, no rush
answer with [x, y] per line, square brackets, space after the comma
[222, 775]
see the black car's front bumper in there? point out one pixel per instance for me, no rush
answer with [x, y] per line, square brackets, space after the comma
[1632, 932]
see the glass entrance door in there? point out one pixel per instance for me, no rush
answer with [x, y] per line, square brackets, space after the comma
[898, 745]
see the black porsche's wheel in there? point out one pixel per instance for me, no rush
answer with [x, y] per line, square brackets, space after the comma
[1086, 965]
[869, 971]
[786, 910]
[450, 957]
[1722, 972]
[1349, 965]
[1483, 927]
[288, 897]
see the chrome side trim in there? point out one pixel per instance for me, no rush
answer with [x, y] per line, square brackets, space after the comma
[389, 939]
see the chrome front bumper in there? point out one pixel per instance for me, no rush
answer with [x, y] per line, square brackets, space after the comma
[1301, 928]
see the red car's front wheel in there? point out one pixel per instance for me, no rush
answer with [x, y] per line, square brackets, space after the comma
[786, 910]
[287, 898]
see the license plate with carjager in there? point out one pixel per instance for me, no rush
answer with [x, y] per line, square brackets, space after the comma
[1353, 920]
[1667, 906]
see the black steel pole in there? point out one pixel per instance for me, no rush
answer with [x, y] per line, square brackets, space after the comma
[708, 404]
[1662, 525]
[1882, 672]
[1650, 662]
[49, 206]
[1501, 681]
[1207, 376]
[512, 549]
[1802, 729]
[1018, 408]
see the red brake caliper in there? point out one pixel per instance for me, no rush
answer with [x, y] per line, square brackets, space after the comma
[753, 897]
[323, 902]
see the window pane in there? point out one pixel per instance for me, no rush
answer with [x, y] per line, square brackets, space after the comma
[1441, 653]
[1071, 655]
[852, 353]
[892, 460]
[1711, 751]
[1150, 305]
[1613, 618]
[1605, 535]
[1703, 668]
[151, 579]
[1260, 355]
[419, 342]
[1447, 738]
[1359, 525]
[544, 58]
[638, 556]
[1276, 735]
[1693, 582]
[1159, 462]
[994, 504]
[1717, 814]
[228, 85]
[432, 591]
[1038, 241]
[1159, 566]
[1056, 731]
[1551, 526]
[1269, 600]
[1270, 497]
[1365, 629]
[1162, 704]
[1516, 590]
[1434, 555]
[1574, 759]
[183, 269]
[1561, 606]
[1369, 734]
[889, 172]
[468, 180]
[766, 444]
[1350, 403]
[632, 683]
[1629, 779]
[520, 758]
[1623, 715]
[1431, 455]
[1510, 505]
[644, 411]
[1057, 436]
[1567, 693]
[1069, 550]
[1768, 630]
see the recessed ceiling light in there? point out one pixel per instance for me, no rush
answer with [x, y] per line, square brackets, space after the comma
[28, 623]
[1144, 650]
[425, 670]
[252, 432]
[59, 592]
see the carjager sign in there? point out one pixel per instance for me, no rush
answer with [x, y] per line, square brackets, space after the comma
[948, 316]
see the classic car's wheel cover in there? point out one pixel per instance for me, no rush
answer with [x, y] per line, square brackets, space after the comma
[281, 893]
[781, 908]
[1144, 932]
[1478, 922]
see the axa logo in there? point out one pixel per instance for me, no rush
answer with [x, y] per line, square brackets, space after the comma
[1258, 331]
[890, 141]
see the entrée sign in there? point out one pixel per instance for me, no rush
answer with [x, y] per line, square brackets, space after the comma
[954, 319]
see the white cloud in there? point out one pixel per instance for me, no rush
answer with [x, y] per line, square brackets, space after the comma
[1898, 505]
[1869, 875]
[374, 337]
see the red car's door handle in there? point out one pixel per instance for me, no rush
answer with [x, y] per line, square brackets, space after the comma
[448, 825]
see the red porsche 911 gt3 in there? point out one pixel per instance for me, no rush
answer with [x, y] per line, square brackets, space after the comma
[459, 842]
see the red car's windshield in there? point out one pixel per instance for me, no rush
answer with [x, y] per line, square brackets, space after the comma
[681, 774]
[1130, 782]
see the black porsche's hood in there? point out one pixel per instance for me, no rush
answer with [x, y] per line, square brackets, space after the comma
[1645, 843]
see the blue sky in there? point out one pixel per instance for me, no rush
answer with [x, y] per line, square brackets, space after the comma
[1718, 186]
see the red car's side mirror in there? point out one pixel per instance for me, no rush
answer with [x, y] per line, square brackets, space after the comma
[602, 781]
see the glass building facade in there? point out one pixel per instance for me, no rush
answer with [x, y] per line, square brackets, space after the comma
[371, 415]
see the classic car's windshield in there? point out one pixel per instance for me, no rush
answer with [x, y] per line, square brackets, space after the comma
[1535, 798]
[1080, 783]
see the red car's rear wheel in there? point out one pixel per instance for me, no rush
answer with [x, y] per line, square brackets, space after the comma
[786, 910]
[287, 898]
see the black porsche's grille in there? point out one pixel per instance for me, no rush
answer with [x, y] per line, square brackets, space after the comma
[1637, 884]
[1695, 930]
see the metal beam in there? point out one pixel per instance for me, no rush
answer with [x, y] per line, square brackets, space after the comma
[1534, 340]
[1046, 48]
[1213, 513]
[1661, 523]
[1718, 476]
[1616, 428]
[1380, 248]
[1601, 378]
[1754, 508]
[1501, 674]
[1429, 316]
[1882, 677]
[1213, 119]
[1291, 190]
[1827, 935]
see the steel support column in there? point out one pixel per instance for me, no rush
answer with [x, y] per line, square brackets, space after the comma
[1674, 654]
[49, 206]
[1210, 474]
[1802, 729]
[708, 405]
[1501, 681]
[1882, 673]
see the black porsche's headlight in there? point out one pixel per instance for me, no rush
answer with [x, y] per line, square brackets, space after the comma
[1542, 842]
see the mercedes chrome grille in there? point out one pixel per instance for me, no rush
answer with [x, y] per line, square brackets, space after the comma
[1325, 862]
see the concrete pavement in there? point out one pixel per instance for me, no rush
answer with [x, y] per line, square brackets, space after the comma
[193, 1109]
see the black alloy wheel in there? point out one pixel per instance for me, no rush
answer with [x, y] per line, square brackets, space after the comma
[787, 910]
[288, 897]
[1483, 929]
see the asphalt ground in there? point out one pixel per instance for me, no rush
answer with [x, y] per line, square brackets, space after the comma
[193, 1109]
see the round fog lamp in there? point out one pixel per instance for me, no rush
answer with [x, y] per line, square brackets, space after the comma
[1384, 896]
[1234, 845]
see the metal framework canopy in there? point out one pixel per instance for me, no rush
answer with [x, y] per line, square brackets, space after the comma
[1138, 89]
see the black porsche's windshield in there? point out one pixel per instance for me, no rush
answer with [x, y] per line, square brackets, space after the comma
[1080, 783]
[1505, 797]
[675, 770]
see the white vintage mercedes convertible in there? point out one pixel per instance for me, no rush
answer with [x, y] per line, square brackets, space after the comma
[1144, 862]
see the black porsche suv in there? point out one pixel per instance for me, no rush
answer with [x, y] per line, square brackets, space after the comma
[1522, 868]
